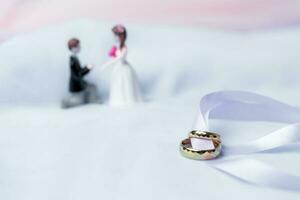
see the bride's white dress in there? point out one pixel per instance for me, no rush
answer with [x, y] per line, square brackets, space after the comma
[124, 86]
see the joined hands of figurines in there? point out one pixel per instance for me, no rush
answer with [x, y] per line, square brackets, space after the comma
[90, 66]
[124, 86]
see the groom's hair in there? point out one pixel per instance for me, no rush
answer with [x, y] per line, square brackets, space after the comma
[74, 42]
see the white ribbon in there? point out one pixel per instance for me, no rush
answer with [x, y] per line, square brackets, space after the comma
[238, 105]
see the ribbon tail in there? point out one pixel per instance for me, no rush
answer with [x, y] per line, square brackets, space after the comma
[258, 173]
[284, 136]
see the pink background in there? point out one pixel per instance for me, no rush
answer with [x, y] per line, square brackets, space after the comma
[19, 16]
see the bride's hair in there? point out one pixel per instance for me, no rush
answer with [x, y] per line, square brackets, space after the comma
[121, 33]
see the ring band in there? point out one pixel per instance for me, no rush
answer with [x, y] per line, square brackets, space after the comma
[204, 134]
[188, 151]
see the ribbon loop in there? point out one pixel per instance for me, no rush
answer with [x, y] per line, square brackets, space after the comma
[247, 106]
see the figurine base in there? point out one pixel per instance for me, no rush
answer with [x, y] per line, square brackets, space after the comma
[87, 96]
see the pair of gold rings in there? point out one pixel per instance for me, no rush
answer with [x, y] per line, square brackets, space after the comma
[187, 150]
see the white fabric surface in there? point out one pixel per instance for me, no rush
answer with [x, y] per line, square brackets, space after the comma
[96, 152]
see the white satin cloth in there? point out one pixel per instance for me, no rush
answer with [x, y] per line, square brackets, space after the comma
[239, 105]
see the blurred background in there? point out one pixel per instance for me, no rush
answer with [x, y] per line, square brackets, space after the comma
[24, 15]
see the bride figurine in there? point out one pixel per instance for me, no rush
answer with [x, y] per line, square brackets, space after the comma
[124, 86]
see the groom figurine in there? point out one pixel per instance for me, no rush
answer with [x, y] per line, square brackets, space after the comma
[81, 92]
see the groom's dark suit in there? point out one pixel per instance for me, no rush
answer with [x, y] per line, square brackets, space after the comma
[77, 84]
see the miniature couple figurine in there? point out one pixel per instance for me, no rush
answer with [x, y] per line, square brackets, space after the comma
[124, 87]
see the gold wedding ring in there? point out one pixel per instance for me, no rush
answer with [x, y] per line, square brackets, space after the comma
[188, 151]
